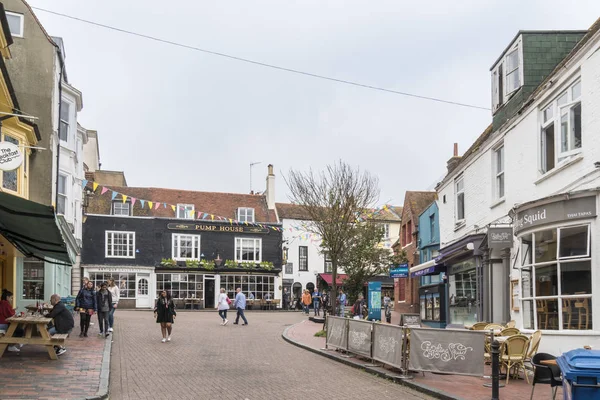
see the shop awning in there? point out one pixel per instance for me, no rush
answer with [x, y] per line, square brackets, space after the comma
[427, 268]
[466, 245]
[32, 229]
[338, 279]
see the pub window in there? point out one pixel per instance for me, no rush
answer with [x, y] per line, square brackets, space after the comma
[185, 211]
[248, 250]
[556, 276]
[246, 214]
[181, 286]
[120, 208]
[253, 286]
[303, 258]
[120, 244]
[33, 279]
[125, 282]
[186, 247]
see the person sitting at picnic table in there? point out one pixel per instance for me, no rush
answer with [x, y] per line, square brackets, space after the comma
[6, 311]
[63, 321]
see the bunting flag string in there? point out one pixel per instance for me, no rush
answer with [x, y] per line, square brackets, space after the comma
[153, 204]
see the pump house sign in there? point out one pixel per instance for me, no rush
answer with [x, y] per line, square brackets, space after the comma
[217, 228]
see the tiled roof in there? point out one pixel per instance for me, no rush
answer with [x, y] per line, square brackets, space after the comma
[591, 32]
[473, 149]
[291, 211]
[218, 204]
[388, 215]
[417, 202]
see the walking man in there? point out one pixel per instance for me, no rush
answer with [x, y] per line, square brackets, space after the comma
[316, 298]
[342, 301]
[240, 305]
[286, 299]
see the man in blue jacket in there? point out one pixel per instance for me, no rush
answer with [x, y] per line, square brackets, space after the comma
[240, 305]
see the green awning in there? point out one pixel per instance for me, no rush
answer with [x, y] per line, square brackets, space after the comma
[32, 229]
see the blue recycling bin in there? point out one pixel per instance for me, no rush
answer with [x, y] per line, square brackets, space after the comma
[581, 374]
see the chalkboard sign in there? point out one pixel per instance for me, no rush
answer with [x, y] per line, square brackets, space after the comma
[410, 320]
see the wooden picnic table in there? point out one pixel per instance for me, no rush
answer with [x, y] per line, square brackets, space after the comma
[30, 322]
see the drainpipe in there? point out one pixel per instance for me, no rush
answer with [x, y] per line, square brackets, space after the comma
[60, 58]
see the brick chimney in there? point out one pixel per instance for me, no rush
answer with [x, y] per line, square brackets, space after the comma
[453, 162]
[270, 192]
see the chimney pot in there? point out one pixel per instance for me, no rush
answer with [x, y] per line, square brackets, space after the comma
[270, 167]
[455, 149]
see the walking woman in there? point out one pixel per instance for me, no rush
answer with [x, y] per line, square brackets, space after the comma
[223, 306]
[306, 300]
[104, 303]
[85, 302]
[165, 314]
[114, 292]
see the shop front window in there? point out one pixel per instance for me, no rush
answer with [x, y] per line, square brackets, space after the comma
[556, 279]
[181, 286]
[33, 279]
[256, 285]
[463, 295]
[125, 281]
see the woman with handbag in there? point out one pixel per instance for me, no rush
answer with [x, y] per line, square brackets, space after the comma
[223, 305]
[165, 314]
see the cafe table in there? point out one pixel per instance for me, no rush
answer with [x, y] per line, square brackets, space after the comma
[30, 322]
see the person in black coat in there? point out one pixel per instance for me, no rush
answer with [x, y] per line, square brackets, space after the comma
[85, 303]
[63, 320]
[165, 314]
[104, 304]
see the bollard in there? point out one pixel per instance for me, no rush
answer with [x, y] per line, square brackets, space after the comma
[495, 370]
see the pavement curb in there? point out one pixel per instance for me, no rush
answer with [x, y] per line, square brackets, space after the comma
[438, 394]
[104, 387]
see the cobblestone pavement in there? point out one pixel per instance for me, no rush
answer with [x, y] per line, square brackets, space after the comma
[208, 361]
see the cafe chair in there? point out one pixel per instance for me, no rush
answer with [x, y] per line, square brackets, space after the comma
[496, 327]
[513, 356]
[479, 326]
[583, 306]
[511, 324]
[545, 374]
[509, 332]
[534, 344]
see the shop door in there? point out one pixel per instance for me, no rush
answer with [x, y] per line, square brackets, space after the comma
[142, 299]
[209, 293]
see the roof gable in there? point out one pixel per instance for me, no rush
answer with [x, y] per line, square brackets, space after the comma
[414, 204]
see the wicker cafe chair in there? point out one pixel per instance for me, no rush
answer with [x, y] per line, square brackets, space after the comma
[479, 326]
[546, 374]
[513, 356]
[511, 324]
[496, 327]
[509, 332]
[534, 344]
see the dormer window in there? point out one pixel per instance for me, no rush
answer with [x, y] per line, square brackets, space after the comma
[246, 214]
[122, 209]
[185, 211]
[507, 75]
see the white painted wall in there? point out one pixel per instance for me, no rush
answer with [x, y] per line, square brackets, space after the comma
[524, 182]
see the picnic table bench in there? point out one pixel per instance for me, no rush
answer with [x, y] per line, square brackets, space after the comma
[30, 322]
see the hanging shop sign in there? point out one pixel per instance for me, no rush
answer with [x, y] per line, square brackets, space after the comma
[564, 210]
[11, 157]
[500, 238]
[217, 228]
[399, 271]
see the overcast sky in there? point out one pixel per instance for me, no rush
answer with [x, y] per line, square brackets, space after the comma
[177, 118]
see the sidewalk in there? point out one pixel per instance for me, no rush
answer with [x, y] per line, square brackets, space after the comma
[81, 373]
[439, 386]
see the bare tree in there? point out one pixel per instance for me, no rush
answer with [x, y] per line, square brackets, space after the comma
[333, 199]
